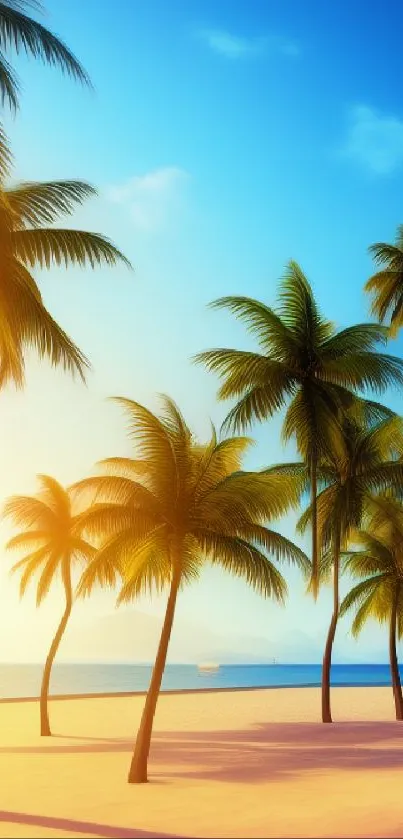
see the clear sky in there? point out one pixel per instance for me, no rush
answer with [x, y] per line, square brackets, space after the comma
[225, 138]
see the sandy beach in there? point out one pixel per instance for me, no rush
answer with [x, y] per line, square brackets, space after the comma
[240, 763]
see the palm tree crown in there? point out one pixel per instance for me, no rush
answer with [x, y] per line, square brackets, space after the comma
[28, 212]
[377, 563]
[181, 491]
[304, 362]
[50, 534]
[369, 464]
[386, 286]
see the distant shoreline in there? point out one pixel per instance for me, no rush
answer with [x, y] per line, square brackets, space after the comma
[184, 691]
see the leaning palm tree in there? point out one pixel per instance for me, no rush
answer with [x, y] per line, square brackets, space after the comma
[303, 363]
[29, 240]
[378, 566]
[367, 465]
[50, 533]
[19, 32]
[386, 286]
[163, 514]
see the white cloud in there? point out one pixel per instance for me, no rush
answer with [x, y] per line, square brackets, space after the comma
[236, 46]
[374, 140]
[151, 198]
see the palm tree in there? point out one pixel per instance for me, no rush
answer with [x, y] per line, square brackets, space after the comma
[29, 240]
[386, 286]
[368, 465]
[379, 594]
[176, 505]
[303, 363]
[50, 533]
[19, 32]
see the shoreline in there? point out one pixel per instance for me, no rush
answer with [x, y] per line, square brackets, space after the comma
[63, 697]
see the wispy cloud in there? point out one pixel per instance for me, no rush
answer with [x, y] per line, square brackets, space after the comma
[153, 198]
[374, 140]
[236, 46]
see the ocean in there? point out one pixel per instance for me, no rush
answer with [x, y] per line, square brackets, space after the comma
[23, 680]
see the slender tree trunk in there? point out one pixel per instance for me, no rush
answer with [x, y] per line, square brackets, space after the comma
[66, 576]
[314, 492]
[139, 764]
[394, 666]
[327, 658]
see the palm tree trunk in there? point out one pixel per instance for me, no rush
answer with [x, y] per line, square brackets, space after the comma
[139, 764]
[314, 492]
[327, 658]
[66, 576]
[394, 667]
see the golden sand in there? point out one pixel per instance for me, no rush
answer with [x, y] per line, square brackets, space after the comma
[228, 764]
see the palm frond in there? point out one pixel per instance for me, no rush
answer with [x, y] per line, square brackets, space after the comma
[125, 467]
[33, 326]
[27, 512]
[27, 540]
[244, 560]
[154, 444]
[242, 371]
[220, 461]
[49, 571]
[299, 311]
[271, 332]
[362, 337]
[105, 569]
[30, 566]
[148, 569]
[247, 497]
[5, 151]
[277, 544]
[23, 34]
[54, 496]
[363, 598]
[42, 203]
[366, 370]
[113, 489]
[106, 520]
[258, 403]
[44, 247]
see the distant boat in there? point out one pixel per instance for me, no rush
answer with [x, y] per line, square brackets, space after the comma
[208, 667]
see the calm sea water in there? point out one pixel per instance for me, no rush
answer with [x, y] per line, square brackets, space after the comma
[23, 680]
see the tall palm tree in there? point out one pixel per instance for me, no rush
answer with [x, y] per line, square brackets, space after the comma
[19, 32]
[29, 240]
[379, 594]
[368, 465]
[51, 535]
[386, 286]
[176, 505]
[303, 363]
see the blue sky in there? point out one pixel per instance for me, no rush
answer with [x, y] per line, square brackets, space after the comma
[224, 139]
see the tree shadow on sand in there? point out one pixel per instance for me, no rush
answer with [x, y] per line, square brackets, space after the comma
[80, 827]
[264, 752]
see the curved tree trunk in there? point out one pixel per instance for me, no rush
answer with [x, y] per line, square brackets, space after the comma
[394, 666]
[66, 576]
[138, 766]
[327, 658]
